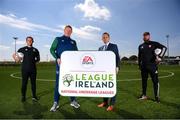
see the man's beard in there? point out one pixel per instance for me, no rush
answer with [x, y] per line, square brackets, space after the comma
[146, 40]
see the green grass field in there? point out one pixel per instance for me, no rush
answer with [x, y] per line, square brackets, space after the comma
[127, 105]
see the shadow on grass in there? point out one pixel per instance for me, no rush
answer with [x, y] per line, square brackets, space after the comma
[130, 92]
[78, 114]
[166, 103]
[35, 110]
[170, 104]
[43, 93]
[127, 115]
[174, 105]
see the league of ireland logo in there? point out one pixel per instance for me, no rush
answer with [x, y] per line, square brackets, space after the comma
[67, 79]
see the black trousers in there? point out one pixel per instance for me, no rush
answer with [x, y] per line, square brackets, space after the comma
[151, 69]
[25, 76]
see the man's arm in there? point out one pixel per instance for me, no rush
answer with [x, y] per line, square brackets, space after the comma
[53, 48]
[139, 57]
[163, 49]
[76, 48]
[116, 51]
[117, 56]
[99, 49]
[15, 56]
[37, 59]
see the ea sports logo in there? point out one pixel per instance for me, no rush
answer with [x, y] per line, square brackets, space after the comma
[87, 61]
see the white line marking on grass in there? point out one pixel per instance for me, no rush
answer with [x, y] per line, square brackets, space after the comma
[13, 76]
[136, 79]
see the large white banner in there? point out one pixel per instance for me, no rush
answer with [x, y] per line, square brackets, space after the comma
[87, 74]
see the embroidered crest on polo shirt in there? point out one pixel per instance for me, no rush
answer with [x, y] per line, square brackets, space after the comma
[72, 42]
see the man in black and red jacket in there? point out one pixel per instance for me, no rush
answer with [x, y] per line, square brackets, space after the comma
[148, 63]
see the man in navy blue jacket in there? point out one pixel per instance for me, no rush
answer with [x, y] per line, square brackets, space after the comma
[109, 47]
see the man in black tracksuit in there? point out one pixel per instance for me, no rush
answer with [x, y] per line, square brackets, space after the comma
[148, 64]
[28, 67]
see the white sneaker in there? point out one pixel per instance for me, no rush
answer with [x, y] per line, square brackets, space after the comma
[75, 104]
[54, 107]
[143, 97]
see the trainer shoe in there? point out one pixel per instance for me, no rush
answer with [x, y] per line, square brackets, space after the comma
[35, 99]
[75, 104]
[143, 97]
[110, 108]
[102, 104]
[157, 99]
[54, 107]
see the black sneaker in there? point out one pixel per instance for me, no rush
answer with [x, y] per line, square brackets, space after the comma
[23, 99]
[157, 99]
[35, 99]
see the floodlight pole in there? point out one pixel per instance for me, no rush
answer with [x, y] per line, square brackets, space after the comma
[47, 57]
[15, 39]
[167, 38]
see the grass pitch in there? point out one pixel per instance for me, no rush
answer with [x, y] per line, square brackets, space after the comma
[127, 105]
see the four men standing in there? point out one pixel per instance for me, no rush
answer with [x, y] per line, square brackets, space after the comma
[147, 61]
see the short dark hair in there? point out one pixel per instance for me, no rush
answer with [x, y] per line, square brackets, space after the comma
[146, 33]
[106, 33]
[30, 38]
[68, 26]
